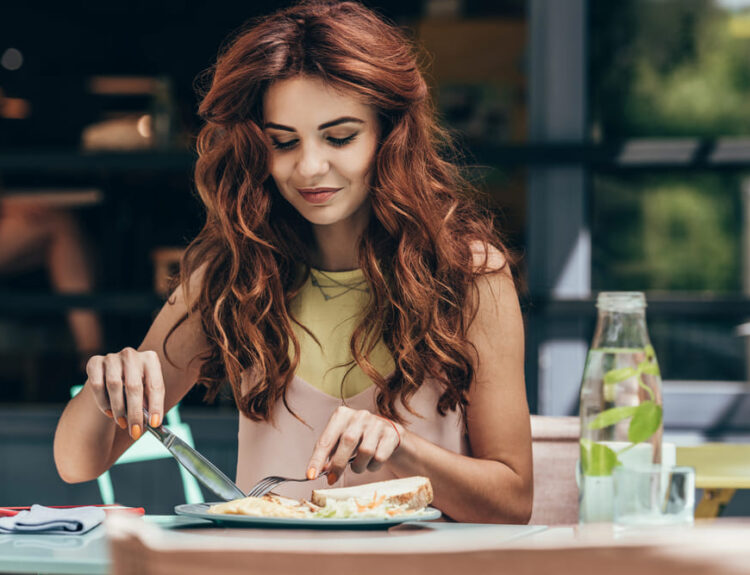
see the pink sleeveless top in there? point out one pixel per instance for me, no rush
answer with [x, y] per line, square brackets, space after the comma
[284, 445]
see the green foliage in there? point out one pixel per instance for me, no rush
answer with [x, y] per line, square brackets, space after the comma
[667, 232]
[617, 375]
[646, 420]
[650, 353]
[668, 68]
[649, 368]
[612, 416]
[671, 68]
[597, 459]
[686, 239]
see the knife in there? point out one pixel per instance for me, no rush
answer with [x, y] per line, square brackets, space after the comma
[198, 466]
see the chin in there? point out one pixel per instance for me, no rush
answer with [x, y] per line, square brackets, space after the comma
[321, 219]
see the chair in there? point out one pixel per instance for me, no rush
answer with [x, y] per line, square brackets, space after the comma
[147, 448]
[556, 451]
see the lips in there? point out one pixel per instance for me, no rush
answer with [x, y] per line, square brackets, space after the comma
[317, 195]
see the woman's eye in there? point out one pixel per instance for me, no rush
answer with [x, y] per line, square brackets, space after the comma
[338, 142]
[283, 145]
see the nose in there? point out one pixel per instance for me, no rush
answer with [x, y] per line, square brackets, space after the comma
[312, 161]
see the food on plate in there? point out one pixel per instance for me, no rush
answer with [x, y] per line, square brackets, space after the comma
[267, 506]
[379, 500]
[411, 492]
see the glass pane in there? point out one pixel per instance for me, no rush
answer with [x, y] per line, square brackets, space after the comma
[698, 349]
[670, 232]
[675, 233]
[669, 68]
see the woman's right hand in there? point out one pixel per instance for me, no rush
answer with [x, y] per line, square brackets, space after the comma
[125, 383]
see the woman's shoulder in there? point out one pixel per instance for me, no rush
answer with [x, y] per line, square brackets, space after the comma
[496, 294]
[187, 290]
[487, 258]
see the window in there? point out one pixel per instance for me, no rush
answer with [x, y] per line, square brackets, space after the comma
[674, 73]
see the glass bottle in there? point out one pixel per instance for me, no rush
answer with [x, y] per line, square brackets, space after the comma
[620, 403]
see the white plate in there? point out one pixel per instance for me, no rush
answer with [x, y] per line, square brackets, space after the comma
[200, 510]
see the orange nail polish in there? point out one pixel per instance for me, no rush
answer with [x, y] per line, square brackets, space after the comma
[154, 420]
[135, 431]
[122, 422]
[311, 473]
[332, 478]
[108, 412]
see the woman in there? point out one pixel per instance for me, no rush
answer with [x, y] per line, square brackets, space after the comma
[356, 306]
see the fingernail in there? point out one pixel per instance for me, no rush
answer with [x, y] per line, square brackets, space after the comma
[122, 422]
[332, 478]
[154, 420]
[311, 473]
[135, 431]
[108, 412]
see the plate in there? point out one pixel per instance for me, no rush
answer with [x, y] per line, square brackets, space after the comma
[200, 510]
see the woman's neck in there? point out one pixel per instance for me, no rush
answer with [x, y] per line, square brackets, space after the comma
[336, 243]
[336, 247]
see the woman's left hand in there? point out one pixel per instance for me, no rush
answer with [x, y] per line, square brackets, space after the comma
[370, 438]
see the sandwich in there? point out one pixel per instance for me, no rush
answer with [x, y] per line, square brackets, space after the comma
[411, 493]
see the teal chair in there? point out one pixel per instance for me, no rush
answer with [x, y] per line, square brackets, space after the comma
[148, 448]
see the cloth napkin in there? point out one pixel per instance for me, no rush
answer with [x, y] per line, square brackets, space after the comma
[40, 519]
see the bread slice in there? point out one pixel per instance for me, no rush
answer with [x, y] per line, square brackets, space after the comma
[414, 492]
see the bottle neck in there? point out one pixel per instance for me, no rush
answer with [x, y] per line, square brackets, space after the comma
[618, 329]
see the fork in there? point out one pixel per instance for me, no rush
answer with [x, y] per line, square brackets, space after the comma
[267, 483]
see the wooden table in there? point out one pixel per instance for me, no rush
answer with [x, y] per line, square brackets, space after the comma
[717, 547]
[720, 469]
[128, 545]
[89, 553]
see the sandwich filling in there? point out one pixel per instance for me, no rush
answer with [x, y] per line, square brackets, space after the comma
[381, 500]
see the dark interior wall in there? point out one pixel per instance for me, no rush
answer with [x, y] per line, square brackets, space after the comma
[63, 43]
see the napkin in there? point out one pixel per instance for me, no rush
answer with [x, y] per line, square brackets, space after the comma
[40, 519]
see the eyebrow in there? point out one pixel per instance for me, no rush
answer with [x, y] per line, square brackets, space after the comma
[336, 122]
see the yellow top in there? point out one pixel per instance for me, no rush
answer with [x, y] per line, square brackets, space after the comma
[329, 305]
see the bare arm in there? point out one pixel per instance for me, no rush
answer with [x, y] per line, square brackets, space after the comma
[494, 485]
[88, 440]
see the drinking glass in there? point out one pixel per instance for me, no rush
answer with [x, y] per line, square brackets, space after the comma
[653, 495]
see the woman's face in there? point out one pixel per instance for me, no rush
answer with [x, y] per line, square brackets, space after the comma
[323, 150]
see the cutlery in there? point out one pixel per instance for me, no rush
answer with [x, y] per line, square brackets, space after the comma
[200, 467]
[267, 483]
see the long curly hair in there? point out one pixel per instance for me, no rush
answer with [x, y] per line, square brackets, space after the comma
[416, 253]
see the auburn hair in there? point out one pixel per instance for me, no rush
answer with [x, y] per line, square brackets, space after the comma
[416, 252]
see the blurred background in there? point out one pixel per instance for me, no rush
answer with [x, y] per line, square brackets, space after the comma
[612, 140]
